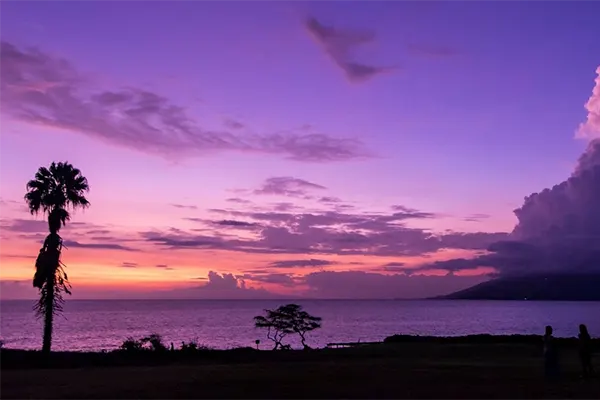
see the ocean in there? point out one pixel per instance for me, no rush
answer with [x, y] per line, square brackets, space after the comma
[105, 324]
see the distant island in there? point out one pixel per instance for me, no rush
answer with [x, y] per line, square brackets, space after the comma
[557, 287]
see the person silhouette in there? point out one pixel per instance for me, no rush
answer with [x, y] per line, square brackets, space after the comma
[550, 354]
[585, 351]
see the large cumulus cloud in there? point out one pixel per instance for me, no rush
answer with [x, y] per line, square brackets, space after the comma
[558, 228]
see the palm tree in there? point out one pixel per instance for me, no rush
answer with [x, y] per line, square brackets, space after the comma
[53, 192]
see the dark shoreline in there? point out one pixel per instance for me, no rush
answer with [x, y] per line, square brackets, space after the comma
[480, 366]
[17, 358]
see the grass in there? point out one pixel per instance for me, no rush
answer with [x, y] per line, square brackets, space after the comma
[405, 369]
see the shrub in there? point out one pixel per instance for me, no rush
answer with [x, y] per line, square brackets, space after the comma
[190, 346]
[155, 342]
[130, 344]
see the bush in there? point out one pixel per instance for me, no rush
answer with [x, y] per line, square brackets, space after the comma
[130, 344]
[189, 347]
[155, 342]
[193, 345]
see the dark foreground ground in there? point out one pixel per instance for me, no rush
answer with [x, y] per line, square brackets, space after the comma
[406, 369]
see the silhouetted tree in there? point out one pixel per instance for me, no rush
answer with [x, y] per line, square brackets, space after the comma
[155, 342]
[130, 344]
[285, 320]
[53, 192]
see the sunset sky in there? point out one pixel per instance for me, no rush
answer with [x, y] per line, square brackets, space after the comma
[322, 149]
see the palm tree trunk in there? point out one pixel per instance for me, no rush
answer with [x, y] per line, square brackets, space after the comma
[48, 315]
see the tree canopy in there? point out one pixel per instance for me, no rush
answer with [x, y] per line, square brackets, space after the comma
[285, 320]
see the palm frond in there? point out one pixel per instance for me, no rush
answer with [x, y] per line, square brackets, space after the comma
[61, 186]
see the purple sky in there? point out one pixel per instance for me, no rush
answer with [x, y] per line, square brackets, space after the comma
[454, 111]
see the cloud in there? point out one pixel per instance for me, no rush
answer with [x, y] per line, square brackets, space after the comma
[287, 186]
[42, 89]
[394, 264]
[272, 278]
[407, 213]
[237, 200]
[393, 267]
[164, 266]
[129, 265]
[237, 224]
[368, 285]
[98, 246]
[285, 206]
[221, 286]
[590, 129]
[328, 199]
[183, 206]
[28, 256]
[558, 229]
[328, 233]
[25, 226]
[224, 223]
[313, 262]
[233, 124]
[476, 217]
[98, 232]
[38, 228]
[338, 44]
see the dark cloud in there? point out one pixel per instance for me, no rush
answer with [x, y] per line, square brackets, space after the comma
[328, 233]
[271, 278]
[225, 223]
[129, 265]
[237, 200]
[476, 217]
[313, 262]
[41, 89]
[403, 212]
[184, 240]
[339, 44]
[98, 232]
[394, 264]
[104, 246]
[287, 186]
[392, 267]
[164, 266]
[229, 222]
[368, 285]
[328, 199]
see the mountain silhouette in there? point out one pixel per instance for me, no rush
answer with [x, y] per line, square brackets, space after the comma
[558, 286]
